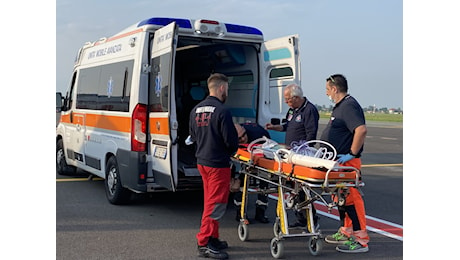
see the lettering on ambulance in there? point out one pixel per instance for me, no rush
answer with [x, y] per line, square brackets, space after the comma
[164, 37]
[105, 51]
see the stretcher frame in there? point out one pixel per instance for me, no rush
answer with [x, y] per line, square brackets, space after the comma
[336, 181]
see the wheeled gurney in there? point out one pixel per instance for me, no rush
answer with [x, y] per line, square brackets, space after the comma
[311, 168]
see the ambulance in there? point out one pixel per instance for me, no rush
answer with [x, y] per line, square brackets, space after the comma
[124, 117]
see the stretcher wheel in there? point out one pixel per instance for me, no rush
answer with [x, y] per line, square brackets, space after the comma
[243, 231]
[277, 228]
[277, 248]
[315, 245]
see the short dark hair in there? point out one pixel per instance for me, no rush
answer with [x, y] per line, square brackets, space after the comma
[216, 79]
[339, 81]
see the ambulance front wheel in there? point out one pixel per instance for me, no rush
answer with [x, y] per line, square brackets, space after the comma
[114, 190]
[277, 248]
[62, 168]
[243, 231]
[315, 245]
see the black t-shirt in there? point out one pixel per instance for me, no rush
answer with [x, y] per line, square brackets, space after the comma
[346, 116]
[302, 123]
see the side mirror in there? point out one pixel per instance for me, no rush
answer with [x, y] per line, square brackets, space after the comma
[59, 102]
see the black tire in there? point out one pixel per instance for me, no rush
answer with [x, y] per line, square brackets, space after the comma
[277, 248]
[315, 246]
[62, 168]
[114, 190]
[243, 231]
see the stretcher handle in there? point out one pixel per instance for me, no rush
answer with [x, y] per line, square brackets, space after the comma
[357, 174]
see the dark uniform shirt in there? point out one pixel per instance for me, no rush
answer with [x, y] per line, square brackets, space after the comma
[302, 123]
[213, 131]
[255, 131]
[346, 116]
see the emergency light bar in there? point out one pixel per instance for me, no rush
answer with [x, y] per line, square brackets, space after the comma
[202, 25]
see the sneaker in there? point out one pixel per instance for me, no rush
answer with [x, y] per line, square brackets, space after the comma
[352, 247]
[209, 251]
[337, 238]
[219, 244]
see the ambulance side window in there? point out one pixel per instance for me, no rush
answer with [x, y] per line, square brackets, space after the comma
[281, 72]
[159, 85]
[105, 87]
[69, 96]
[115, 86]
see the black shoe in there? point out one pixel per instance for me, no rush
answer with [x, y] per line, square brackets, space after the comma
[262, 219]
[298, 224]
[219, 244]
[260, 215]
[209, 251]
[238, 216]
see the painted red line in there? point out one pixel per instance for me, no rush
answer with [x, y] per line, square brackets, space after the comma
[371, 222]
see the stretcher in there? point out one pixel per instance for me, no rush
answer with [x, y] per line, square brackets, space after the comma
[309, 168]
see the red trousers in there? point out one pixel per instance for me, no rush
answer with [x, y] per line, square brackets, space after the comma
[216, 187]
[355, 199]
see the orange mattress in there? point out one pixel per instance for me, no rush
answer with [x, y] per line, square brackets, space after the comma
[295, 171]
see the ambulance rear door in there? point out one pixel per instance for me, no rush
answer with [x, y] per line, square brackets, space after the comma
[281, 67]
[162, 118]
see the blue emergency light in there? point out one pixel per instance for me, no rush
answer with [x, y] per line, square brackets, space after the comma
[185, 23]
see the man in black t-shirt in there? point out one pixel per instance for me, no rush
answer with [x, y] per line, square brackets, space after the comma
[346, 131]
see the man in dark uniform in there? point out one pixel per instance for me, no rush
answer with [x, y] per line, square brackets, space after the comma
[212, 129]
[301, 125]
[247, 133]
[301, 119]
[346, 131]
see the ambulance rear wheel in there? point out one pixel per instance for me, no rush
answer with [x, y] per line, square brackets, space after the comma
[62, 168]
[114, 190]
[243, 231]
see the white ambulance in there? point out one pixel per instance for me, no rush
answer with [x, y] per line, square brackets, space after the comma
[125, 115]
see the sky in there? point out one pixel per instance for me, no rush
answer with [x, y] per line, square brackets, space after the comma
[361, 39]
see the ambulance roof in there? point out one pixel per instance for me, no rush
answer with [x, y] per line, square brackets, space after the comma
[190, 26]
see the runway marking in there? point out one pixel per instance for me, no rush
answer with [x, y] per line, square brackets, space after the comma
[79, 179]
[376, 225]
[381, 165]
[388, 138]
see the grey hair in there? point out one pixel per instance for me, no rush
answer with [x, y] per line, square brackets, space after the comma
[295, 90]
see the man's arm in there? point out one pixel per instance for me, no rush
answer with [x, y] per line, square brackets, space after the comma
[358, 139]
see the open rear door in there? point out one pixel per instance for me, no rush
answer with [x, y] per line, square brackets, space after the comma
[162, 118]
[281, 65]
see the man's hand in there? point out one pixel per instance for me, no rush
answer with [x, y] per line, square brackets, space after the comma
[343, 158]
